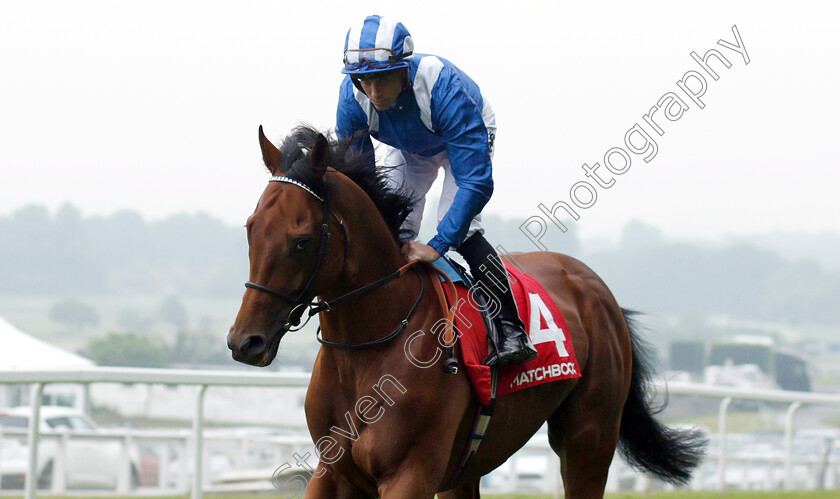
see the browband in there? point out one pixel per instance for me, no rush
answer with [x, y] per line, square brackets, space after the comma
[297, 183]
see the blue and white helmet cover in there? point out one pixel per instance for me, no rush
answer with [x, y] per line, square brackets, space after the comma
[378, 32]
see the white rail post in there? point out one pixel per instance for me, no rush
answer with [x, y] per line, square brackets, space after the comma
[59, 472]
[791, 412]
[124, 470]
[724, 406]
[198, 434]
[31, 486]
[184, 452]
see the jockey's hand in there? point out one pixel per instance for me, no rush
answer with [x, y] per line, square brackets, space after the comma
[419, 251]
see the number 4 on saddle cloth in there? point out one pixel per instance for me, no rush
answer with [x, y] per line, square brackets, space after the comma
[543, 322]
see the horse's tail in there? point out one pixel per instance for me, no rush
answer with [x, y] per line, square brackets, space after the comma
[645, 443]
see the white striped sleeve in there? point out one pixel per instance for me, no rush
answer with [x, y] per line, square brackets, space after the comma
[428, 72]
[367, 107]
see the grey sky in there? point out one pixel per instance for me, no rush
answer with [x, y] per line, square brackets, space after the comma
[154, 106]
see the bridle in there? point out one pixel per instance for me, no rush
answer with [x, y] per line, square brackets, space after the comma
[305, 298]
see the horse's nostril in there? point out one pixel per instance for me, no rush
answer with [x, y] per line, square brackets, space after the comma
[252, 345]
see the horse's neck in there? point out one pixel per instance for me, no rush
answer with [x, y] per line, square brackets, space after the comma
[370, 255]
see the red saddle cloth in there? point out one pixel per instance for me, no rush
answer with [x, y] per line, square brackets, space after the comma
[543, 322]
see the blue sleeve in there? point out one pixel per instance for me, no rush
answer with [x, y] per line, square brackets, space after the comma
[456, 116]
[350, 118]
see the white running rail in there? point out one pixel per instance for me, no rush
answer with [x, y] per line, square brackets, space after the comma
[202, 379]
[205, 378]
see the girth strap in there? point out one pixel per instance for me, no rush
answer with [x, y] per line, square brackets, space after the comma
[477, 433]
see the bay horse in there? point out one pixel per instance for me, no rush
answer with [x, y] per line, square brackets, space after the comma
[327, 227]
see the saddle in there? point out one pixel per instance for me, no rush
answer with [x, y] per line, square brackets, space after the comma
[543, 321]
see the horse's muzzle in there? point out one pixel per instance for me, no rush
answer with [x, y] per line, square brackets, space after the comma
[255, 348]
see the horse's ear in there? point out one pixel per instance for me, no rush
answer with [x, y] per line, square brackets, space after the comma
[271, 155]
[320, 156]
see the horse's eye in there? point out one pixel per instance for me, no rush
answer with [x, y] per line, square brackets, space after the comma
[302, 244]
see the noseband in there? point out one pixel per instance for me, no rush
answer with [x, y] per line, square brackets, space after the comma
[304, 298]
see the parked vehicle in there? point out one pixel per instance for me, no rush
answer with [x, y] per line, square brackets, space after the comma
[89, 461]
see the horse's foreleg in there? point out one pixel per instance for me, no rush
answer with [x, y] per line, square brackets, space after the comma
[468, 490]
[415, 487]
[411, 482]
[327, 484]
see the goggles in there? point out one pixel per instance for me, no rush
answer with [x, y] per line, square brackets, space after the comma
[376, 58]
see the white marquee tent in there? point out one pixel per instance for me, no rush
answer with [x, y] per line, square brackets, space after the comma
[22, 351]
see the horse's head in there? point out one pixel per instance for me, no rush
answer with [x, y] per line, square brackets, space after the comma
[289, 241]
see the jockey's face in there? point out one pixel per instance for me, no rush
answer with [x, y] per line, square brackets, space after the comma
[383, 88]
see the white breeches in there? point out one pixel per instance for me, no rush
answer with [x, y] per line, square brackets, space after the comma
[418, 174]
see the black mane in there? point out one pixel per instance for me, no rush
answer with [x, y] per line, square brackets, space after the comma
[393, 204]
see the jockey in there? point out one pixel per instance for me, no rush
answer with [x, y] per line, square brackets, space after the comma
[433, 116]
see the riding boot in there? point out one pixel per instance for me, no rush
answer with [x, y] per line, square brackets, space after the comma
[512, 343]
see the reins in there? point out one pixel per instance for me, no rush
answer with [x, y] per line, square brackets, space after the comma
[327, 305]
[448, 335]
[362, 290]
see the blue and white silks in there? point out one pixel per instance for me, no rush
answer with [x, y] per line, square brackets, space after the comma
[443, 121]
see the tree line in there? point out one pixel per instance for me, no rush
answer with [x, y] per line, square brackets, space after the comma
[66, 254]
[197, 255]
